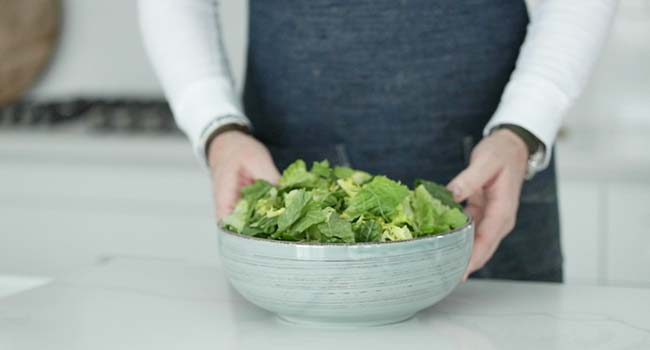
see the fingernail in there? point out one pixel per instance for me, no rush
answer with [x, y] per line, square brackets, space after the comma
[456, 192]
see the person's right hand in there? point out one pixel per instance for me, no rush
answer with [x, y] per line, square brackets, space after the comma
[236, 160]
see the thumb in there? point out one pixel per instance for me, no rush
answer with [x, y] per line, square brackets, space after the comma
[269, 173]
[264, 169]
[471, 180]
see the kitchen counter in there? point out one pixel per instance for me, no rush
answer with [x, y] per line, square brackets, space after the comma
[10, 285]
[153, 303]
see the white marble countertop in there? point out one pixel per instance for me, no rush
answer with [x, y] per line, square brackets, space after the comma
[149, 303]
[10, 284]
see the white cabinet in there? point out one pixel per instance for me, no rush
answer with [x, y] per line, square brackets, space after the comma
[52, 240]
[580, 213]
[605, 201]
[65, 204]
[628, 235]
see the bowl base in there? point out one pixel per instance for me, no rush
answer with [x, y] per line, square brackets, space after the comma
[338, 323]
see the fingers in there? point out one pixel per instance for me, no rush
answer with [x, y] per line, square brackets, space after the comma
[481, 170]
[237, 160]
[486, 242]
[238, 172]
[475, 206]
[498, 219]
[228, 182]
[496, 172]
[226, 189]
[263, 168]
[483, 249]
[501, 203]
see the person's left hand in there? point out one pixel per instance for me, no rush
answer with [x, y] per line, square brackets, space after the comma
[491, 184]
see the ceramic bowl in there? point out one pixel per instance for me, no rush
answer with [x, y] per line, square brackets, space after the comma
[361, 284]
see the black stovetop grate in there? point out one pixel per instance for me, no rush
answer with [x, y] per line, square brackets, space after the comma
[102, 115]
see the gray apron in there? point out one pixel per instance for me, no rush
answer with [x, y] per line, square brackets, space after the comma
[401, 88]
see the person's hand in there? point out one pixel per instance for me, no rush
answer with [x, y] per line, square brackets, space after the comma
[491, 184]
[236, 160]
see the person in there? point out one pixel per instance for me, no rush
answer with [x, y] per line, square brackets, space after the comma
[465, 92]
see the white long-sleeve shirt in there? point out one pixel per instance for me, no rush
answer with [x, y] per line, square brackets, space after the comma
[564, 40]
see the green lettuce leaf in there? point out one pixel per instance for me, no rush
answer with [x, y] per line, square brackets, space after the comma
[348, 185]
[423, 208]
[322, 169]
[335, 229]
[295, 203]
[342, 172]
[404, 214]
[439, 192]
[254, 232]
[453, 218]
[269, 205]
[296, 175]
[325, 198]
[255, 191]
[380, 197]
[314, 214]
[367, 231]
[360, 177]
[262, 225]
[237, 220]
[395, 233]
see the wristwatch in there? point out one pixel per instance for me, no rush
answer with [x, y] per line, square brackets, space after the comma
[536, 148]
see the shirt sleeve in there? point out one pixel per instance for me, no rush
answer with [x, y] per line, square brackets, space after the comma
[183, 40]
[563, 42]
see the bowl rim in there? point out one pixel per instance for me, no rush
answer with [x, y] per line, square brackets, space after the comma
[468, 224]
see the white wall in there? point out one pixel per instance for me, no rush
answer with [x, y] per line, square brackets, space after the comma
[618, 95]
[101, 52]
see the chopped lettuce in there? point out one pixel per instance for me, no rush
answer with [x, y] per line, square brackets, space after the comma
[343, 172]
[404, 214]
[335, 229]
[297, 176]
[322, 169]
[314, 214]
[295, 203]
[379, 197]
[453, 218]
[439, 192]
[256, 191]
[237, 219]
[396, 233]
[367, 230]
[342, 205]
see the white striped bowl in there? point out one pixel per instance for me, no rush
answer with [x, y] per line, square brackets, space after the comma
[360, 284]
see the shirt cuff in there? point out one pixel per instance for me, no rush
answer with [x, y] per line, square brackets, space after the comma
[535, 106]
[201, 146]
[203, 107]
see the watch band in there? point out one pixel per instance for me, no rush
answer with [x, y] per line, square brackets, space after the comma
[536, 149]
[220, 125]
[227, 127]
[532, 142]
